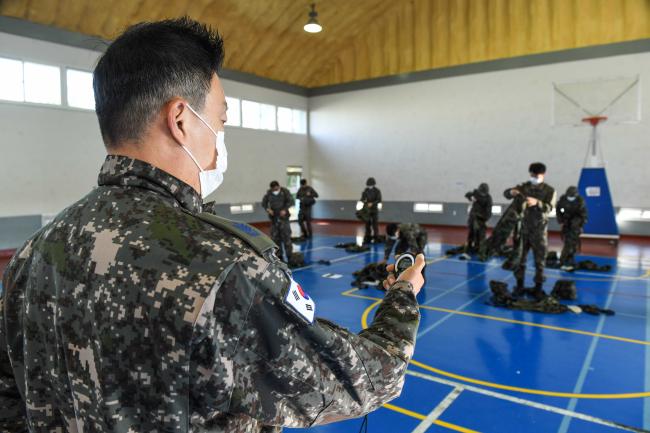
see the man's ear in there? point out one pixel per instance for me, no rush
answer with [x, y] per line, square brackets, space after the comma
[177, 117]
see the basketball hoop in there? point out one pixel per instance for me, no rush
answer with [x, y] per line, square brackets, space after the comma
[594, 120]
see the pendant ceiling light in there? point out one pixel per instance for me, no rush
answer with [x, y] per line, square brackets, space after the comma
[313, 26]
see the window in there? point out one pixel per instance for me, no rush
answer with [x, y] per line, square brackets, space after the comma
[285, 119]
[80, 89]
[292, 120]
[299, 121]
[627, 214]
[258, 116]
[241, 208]
[234, 112]
[428, 207]
[42, 83]
[267, 117]
[11, 84]
[250, 112]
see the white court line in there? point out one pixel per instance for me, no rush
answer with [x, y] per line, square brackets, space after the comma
[462, 307]
[522, 401]
[340, 259]
[582, 377]
[438, 410]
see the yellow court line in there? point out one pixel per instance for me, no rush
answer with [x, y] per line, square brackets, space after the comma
[529, 390]
[502, 319]
[364, 324]
[405, 411]
[421, 417]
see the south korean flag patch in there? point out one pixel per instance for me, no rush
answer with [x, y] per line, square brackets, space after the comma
[300, 302]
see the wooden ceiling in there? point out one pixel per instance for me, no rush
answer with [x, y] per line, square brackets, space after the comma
[362, 38]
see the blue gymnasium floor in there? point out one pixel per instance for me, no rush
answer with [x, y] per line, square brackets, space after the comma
[479, 368]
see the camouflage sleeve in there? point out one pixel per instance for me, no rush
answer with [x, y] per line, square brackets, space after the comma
[314, 193]
[301, 193]
[379, 196]
[283, 369]
[12, 407]
[548, 203]
[508, 194]
[364, 196]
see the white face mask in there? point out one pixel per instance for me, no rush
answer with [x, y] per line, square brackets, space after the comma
[570, 198]
[535, 180]
[276, 192]
[210, 180]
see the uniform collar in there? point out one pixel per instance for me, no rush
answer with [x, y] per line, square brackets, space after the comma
[125, 171]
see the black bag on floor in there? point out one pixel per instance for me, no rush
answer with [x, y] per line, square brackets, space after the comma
[565, 290]
[588, 265]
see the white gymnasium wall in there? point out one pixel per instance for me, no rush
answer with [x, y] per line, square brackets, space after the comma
[434, 140]
[51, 155]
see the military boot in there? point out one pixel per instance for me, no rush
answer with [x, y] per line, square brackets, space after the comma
[519, 290]
[538, 293]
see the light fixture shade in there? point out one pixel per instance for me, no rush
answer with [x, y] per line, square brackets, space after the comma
[313, 26]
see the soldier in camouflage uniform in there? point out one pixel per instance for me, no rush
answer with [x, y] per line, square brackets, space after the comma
[539, 201]
[277, 202]
[479, 215]
[307, 196]
[371, 199]
[508, 224]
[404, 238]
[572, 214]
[133, 311]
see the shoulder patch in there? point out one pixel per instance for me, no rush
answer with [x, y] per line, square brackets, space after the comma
[300, 301]
[252, 236]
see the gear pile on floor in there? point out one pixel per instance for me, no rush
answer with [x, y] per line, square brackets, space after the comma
[563, 290]
[553, 261]
[352, 247]
[372, 275]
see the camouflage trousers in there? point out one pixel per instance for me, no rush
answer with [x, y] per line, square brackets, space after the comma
[281, 235]
[571, 238]
[537, 241]
[372, 226]
[304, 219]
[476, 235]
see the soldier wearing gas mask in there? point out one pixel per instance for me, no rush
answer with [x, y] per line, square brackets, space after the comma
[479, 215]
[572, 215]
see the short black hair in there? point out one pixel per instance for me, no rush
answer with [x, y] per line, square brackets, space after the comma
[537, 168]
[371, 181]
[274, 183]
[303, 182]
[391, 229]
[146, 67]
